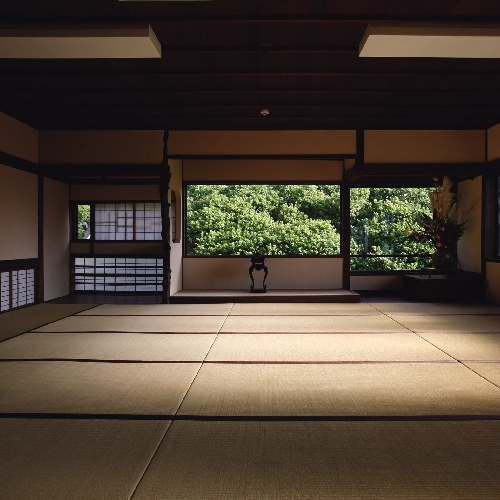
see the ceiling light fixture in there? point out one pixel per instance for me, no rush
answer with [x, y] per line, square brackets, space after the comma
[451, 41]
[264, 111]
[79, 43]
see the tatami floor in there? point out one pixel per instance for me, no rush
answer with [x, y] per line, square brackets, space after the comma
[370, 400]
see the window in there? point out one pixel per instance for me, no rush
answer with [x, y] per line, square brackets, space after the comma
[17, 289]
[119, 221]
[380, 219]
[276, 219]
[117, 274]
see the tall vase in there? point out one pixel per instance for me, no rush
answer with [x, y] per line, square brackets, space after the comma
[443, 258]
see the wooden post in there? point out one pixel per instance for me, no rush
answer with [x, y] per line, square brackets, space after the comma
[40, 271]
[345, 197]
[165, 221]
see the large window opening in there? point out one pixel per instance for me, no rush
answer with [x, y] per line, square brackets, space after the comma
[381, 219]
[275, 219]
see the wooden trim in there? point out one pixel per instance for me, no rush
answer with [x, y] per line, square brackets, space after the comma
[360, 147]
[345, 235]
[373, 173]
[19, 163]
[18, 264]
[165, 220]
[40, 287]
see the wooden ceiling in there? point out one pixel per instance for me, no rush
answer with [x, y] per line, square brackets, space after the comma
[223, 61]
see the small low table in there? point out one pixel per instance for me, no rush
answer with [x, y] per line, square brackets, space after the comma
[437, 285]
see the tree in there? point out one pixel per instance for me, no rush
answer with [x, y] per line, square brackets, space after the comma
[380, 220]
[275, 219]
[83, 221]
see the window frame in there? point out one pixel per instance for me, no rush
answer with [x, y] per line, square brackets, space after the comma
[92, 204]
[185, 214]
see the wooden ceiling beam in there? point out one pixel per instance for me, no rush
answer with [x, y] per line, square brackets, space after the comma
[369, 172]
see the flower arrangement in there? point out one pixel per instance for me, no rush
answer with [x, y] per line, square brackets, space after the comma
[447, 224]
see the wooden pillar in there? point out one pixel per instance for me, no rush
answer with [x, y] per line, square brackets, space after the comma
[165, 221]
[345, 239]
[40, 294]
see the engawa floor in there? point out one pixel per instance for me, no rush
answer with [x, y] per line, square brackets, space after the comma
[250, 401]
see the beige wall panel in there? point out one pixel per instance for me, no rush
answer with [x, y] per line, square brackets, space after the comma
[424, 146]
[56, 237]
[18, 139]
[262, 170]
[184, 142]
[221, 273]
[493, 282]
[469, 246]
[494, 143]
[101, 146]
[18, 214]
[130, 248]
[393, 282]
[176, 248]
[79, 248]
[114, 193]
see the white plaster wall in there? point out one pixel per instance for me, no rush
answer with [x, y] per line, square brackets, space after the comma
[56, 237]
[18, 214]
[494, 143]
[220, 142]
[262, 170]
[18, 139]
[82, 192]
[469, 246]
[424, 146]
[493, 282]
[101, 146]
[231, 273]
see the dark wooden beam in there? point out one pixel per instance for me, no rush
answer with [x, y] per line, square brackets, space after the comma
[40, 283]
[370, 172]
[345, 235]
[165, 221]
[19, 163]
[102, 170]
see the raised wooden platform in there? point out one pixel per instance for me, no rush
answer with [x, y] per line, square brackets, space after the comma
[217, 296]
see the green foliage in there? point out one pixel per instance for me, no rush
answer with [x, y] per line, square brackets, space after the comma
[305, 220]
[380, 219]
[275, 219]
[83, 221]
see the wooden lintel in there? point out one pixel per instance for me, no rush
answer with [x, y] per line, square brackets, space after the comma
[371, 172]
[102, 170]
[19, 163]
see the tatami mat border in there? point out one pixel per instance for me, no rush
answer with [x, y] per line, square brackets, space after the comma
[242, 362]
[253, 418]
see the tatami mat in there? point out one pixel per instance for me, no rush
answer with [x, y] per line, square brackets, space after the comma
[325, 460]
[13, 323]
[434, 308]
[443, 323]
[323, 347]
[310, 324]
[75, 459]
[490, 371]
[108, 346]
[340, 389]
[298, 309]
[97, 388]
[160, 310]
[471, 346]
[152, 324]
